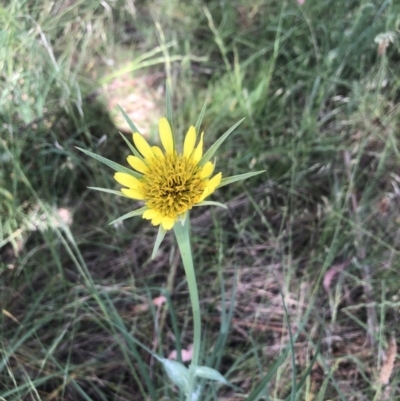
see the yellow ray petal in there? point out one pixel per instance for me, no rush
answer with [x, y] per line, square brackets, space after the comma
[211, 185]
[127, 180]
[204, 195]
[166, 137]
[150, 214]
[142, 146]
[133, 193]
[158, 153]
[156, 220]
[137, 164]
[198, 151]
[190, 141]
[215, 181]
[207, 170]
[167, 223]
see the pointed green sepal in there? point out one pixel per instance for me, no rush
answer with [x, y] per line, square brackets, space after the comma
[132, 126]
[159, 239]
[134, 213]
[182, 218]
[211, 203]
[108, 191]
[201, 116]
[210, 152]
[239, 177]
[178, 373]
[131, 147]
[109, 163]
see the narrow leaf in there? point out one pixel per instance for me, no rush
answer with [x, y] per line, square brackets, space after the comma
[159, 239]
[131, 147]
[109, 191]
[211, 203]
[178, 373]
[200, 119]
[132, 126]
[134, 213]
[209, 373]
[210, 152]
[109, 163]
[239, 177]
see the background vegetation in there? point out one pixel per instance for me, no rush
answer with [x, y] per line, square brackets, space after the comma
[318, 233]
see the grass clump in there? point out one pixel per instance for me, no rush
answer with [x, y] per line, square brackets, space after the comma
[317, 234]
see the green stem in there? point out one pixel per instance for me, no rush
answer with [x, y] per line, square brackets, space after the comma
[182, 235]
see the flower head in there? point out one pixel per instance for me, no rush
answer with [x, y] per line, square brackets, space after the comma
[169, 182]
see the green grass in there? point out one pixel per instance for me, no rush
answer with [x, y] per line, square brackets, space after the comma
[322, 118]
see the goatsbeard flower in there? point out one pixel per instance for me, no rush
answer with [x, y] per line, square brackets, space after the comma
[169, 182]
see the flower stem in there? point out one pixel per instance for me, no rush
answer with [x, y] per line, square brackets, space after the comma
[182, 234]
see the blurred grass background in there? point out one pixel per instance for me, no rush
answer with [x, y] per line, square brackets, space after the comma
[319, 85]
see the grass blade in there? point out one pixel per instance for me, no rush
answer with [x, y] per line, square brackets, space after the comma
[308, 370]
[169, 116]
[259, 389]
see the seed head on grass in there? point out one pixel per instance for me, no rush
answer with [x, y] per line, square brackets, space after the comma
[169, 183]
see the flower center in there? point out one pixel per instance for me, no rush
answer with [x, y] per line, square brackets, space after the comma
[172, 185]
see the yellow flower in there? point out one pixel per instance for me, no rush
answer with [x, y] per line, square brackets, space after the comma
[169, 183]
